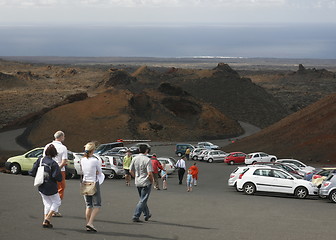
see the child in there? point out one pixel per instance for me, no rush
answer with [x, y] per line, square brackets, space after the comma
[189, 181]
[194, 173]
[164, 177]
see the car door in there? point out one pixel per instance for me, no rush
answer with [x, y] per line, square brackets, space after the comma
[30, 159]
[215, 155]
[264, 157]
[282, 182]
[263, 180]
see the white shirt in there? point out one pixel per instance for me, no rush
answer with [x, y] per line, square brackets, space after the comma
[180, 164]
[91, 167]
[62, 152]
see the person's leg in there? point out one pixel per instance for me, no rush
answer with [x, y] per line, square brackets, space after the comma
[156, 180]
[142, 204]
[55, 203]
[61, 188]
[180, 175]
[96, 203]
[46, 204]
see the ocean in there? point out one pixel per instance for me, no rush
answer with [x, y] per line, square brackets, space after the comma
[316, 41]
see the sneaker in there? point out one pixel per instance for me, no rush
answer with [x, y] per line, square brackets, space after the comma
[148, 217]
[136, 220]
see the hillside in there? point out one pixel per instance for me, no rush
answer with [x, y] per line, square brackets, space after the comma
[308, 135]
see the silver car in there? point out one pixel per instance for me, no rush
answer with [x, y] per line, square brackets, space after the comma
[116, 165]
[214, 156]
[195, 153]
[328, 188]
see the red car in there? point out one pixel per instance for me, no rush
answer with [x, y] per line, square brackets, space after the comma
[235, 157]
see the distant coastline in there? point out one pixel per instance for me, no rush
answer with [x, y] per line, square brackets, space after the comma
[238, 63]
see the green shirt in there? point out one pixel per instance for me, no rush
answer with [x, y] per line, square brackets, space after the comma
[127, 162]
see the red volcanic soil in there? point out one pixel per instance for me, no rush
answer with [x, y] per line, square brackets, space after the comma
[308, 135]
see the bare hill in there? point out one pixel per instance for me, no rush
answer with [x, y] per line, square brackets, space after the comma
[309, 135]
[116, 114]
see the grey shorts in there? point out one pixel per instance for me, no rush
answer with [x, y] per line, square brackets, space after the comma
[94, 201]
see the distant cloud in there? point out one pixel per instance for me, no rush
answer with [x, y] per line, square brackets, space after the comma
[165, 3]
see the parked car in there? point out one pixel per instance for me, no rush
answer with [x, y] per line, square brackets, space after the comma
[23, 163]
[115, 150]
[207, 145]
[301, 165]
[235, 157]
[328, 188]
[232, 182]
[290, 168]
[102, 148]
[181, 148]
[104, 160]
[274, 180]
[253, 158]
[116, 163]
[214, 156]
[194, 153]
[321, 175]
[170, 162]
[202, 154]
[135, 148]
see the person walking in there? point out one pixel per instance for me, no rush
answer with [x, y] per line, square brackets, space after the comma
[180, 165]
[194, 173]
[164, 177]
[189, 181]
[126, 165]
[61, 158]
[48, 190]
[156, 166]
[187, 153]
[142, 170]
[91, 168]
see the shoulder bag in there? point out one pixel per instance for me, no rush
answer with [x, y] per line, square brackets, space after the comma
[87, 188]
[39, 178]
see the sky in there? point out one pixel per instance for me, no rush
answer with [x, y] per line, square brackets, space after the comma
[168, 12]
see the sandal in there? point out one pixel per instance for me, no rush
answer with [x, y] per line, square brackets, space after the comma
[47, 224]
[90, 229]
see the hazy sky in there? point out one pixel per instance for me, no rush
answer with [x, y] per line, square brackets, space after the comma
[119, 12]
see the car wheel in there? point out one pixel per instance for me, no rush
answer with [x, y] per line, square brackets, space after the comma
[273, 160]
[301, 192]
[231, 162]
[210, 160]
[15, 168]
[254, 162]
[332, 196]
[179, 154]
[194, 158]
[112, 175]
[249, 188]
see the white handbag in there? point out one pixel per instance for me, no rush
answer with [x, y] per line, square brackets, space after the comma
[39, 178]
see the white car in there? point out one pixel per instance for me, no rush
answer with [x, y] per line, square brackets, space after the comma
[232, 182]
[305, 168]
[195, 152]
[256, 157]
[170, 162]
[214, 156]
[116, 163]
[207, 145]
[202, 154]
[274, 180]
[104, 161]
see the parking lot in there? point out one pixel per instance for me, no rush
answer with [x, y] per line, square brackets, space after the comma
[211, 211]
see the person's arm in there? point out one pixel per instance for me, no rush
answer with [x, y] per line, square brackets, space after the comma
[151, 177]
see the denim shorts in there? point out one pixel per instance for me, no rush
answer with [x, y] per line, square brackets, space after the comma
[93, 201]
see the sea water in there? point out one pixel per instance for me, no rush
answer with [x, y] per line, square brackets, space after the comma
[234, 40]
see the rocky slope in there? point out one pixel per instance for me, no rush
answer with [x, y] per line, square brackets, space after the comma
[308, 135]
